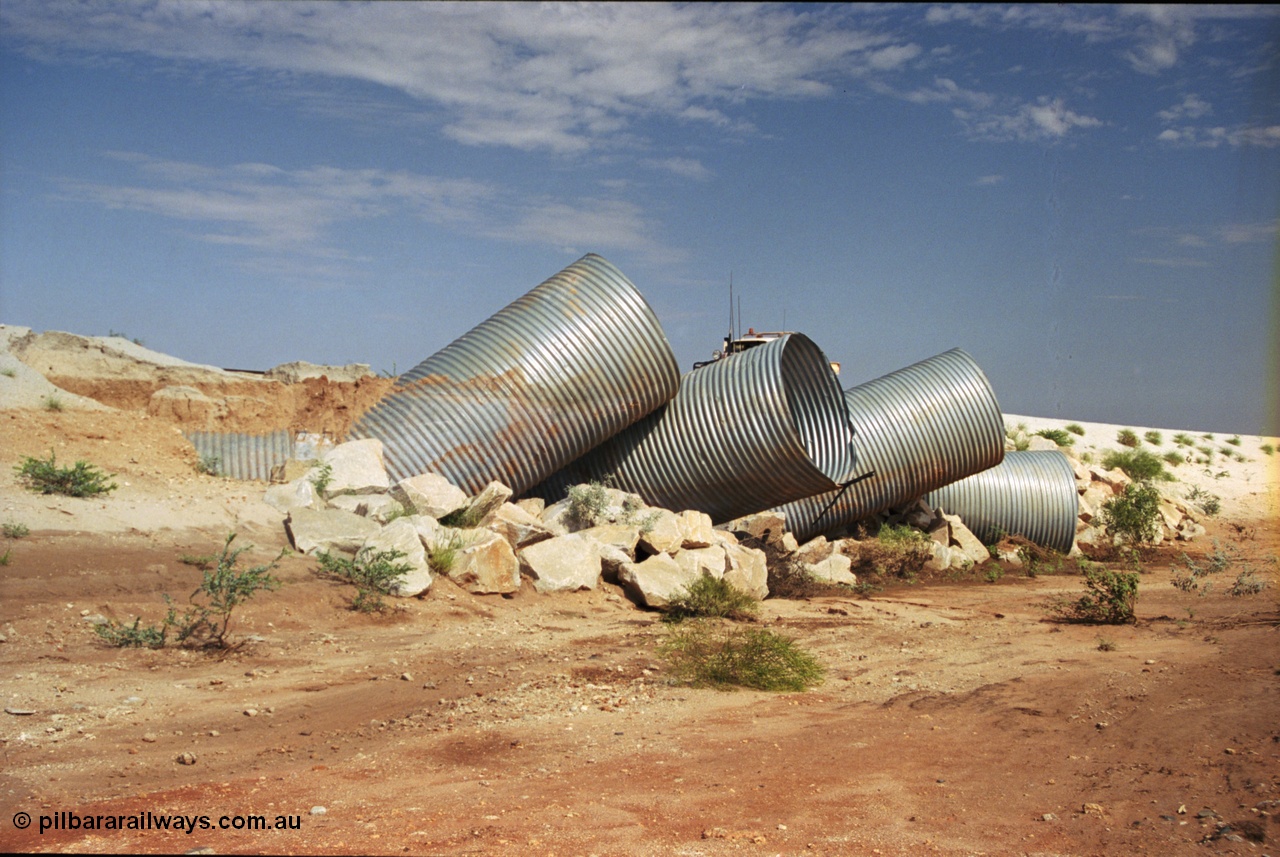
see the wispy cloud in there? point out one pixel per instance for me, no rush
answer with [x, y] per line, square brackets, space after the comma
[684, 167]
[1192, 106]
[1047, 119]
[1263, 136]
[988, 181]
[279, 215]
[563, 78]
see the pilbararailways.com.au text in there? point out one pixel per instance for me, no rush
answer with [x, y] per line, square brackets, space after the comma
[67, 820]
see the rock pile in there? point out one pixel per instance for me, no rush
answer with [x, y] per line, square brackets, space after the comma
[1178, 519]
[345, 503]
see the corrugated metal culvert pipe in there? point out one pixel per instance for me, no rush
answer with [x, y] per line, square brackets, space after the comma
[745, 433]
[921, 427]
[1030, 494]
[557, 372]
[243, 456]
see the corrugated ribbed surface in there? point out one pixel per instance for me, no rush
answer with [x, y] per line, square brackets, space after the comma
[244, 456]
[922, 427]
[1031, 494]
[535, 386]
[745, 433]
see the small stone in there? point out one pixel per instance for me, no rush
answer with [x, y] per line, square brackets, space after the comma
[214, 733]
[186, 759]
[251, 712]
[318, 810]
[19, 712]
[406, 676]
[1048, 816]
[149, 738]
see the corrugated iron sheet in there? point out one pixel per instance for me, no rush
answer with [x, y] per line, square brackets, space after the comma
[1031, 494]
[743, 434]
[557, 372]
[244, 456]
[921, 427]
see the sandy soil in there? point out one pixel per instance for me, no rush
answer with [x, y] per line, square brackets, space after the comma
[955, 719]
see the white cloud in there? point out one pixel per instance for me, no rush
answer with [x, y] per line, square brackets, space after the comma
[684, 167]
[563, 78]
[1191, 107]
[988, 181]
[1045, 120]
[1248, 233]
[1266, 137]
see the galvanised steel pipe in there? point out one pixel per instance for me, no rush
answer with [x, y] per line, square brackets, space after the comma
[1030, 494]
[557, 372]
[744, 433]
[921, 427]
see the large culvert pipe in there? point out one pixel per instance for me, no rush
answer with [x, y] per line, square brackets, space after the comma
[745, 433]
[920, 428]
[530, 389]
[1030, 494]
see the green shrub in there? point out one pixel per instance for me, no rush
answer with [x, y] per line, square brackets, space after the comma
[1267, 449]
[588, 504]
[897, 552]
[373, 573]
[1154, 438]
[1210, 504]
[1134, 515]
[1076, 429]
[1234, 441]
[1109, 599]
[322, 478]
[53, 403]
[1058, 436]
[711, 597]
[444, 553]
[1137, 464]
[80, 480]
[1174, 458]
[11, 530]
[1246, 583]
[205, 623]
[1127, 437]
[707, 654]
[6, 557]
[210, 465]
[1183, 439]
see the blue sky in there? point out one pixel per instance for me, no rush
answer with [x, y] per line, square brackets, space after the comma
[1083, 198]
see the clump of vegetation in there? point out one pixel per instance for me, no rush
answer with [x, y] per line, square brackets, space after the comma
[710, 654]
[443, 555]
[1076, 429]
[373, 573]
[1106, 645]
[1184, 439]
[1246, 583]
[1154, 438]
[897, 553]
[465, 518]
[12, 530]
[1018, 434]
[1127, 437]
[1267, 449]
[207, 620]
[1134, 515]
[711, 598]
[1137, 464]
[80, 480]
[323, 477]
[210, 465]
[1058, 436]
[588, 504]
[1174, 458]
[1210, 504]
[1109, 599]
[1234, 440]
[53, 403]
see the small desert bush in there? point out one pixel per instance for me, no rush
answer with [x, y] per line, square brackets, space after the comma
[209, 465]
[80, 480]
[1154, 438]
[706, 653]
[1267, 449]
[1234, 440]
[588, 504]
[1134, 515]
[207, 620]
[1174, 458]
[1076, 429]
[897, 552]
[711, 597]
[1127, 437]
[1058, 436]
[1246, 583]
[10, 530]
[372, 572]
[1210, 504]
[53, 403]
[443, 555]
[1109, 599]
[1184, 439]
[1137, 464]
[322, 477]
